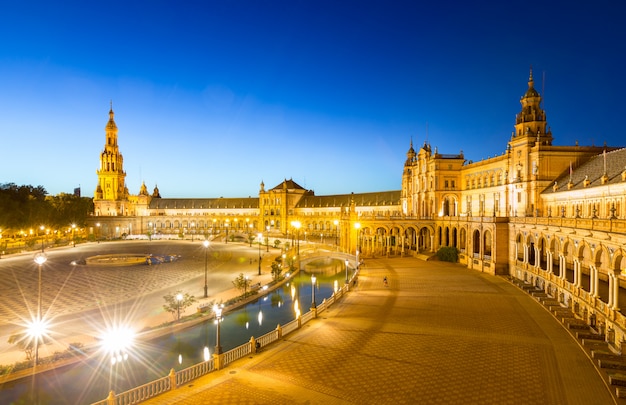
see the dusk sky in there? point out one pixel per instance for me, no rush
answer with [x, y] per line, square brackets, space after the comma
[213, 97]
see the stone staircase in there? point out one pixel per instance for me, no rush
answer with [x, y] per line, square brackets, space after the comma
[611, 365]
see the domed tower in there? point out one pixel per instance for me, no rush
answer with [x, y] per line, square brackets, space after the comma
[530, 123]
[111, 192]
[531, 136]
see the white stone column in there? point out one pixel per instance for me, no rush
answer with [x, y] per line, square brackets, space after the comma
[549, 262]
[594, 280]
[432, 243]
[537, 258]
[615, 305]
[611, 291]
[525, 253]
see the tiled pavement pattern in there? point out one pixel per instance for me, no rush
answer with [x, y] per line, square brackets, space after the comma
[84, 287]
[87, 287]
[439, 334]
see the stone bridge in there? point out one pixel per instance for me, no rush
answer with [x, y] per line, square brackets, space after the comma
[312, 255]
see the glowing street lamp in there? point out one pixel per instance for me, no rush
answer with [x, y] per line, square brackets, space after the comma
[313, 280]
[357, 226]
[38, 327]
[218, 318]
[260, 236]
[73, 235]
[297, 225]
[179, 298]
[206, 286]
[116, 342]
[42, 228]
[347, 262]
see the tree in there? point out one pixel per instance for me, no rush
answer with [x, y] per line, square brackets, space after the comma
[175, 306]
[277, 269]
[241, 283]
[26, 343]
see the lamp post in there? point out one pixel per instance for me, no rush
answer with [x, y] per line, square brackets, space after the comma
[313, 280]
[347, 261]
[218, 318]
[38, 326]
[260, 236]
[357, 226]
[42, 228]
[267, 240]
[226, 226]
[336, 222]
[117, 342]
[297, 225]
[179, 298]
[206, 273]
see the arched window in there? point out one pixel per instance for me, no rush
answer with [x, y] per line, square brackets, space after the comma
[462, 239]
[476, 243]
[487, 243]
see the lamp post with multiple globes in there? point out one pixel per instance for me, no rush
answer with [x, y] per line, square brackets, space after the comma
[218, 318]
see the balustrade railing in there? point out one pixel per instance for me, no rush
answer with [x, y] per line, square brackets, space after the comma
[157, 387]
[193, 372]
[236, 353]
[144, 392]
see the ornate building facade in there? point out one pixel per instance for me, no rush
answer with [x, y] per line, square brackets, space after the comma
[550, 215]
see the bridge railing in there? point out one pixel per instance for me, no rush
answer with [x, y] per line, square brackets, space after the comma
[182, 377]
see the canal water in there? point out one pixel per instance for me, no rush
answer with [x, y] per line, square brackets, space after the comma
[90, 381]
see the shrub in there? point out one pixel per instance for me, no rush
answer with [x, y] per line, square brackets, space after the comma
[448, 254]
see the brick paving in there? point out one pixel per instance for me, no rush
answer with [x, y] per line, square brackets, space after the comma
[438, 334]
[73, 290]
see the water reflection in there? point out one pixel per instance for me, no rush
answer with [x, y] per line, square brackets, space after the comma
[91, 381]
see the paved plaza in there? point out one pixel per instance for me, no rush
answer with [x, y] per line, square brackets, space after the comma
[438, 334]
[85, 295]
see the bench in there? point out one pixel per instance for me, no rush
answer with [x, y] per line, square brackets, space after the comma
[204, 307]
[255, 286]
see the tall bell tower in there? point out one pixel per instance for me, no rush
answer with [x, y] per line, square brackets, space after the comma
[111, 193]
[531, 136]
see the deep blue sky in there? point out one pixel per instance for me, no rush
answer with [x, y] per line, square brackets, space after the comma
[213, 97]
